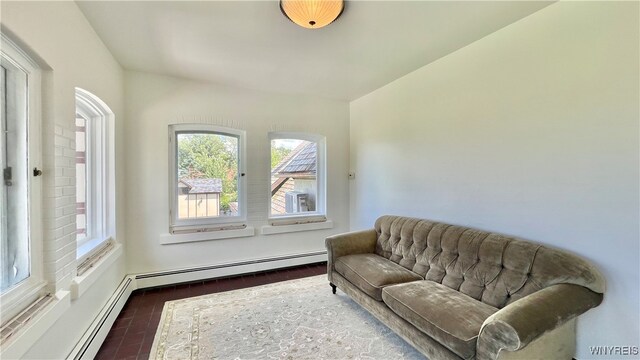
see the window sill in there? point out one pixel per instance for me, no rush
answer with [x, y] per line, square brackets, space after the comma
[82, 283]
[19, 343]
[166, 239]
[281, 229]
[20, 297]
[88, 246]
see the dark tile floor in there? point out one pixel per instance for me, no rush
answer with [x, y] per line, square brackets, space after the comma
[131, 335]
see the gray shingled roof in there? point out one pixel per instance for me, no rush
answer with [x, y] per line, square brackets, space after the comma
[203, 186]
[302, 160]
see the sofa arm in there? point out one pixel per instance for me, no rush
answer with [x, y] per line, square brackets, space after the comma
[517, 324]
[357, 242]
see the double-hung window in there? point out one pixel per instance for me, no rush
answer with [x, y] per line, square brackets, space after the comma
[94, 172]
[297, 191]
[20, 192]
[207, 180]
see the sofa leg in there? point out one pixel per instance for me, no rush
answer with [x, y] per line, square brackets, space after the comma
[333, 288]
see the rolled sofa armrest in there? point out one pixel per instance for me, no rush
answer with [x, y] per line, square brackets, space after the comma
[519, 323]
[357, 242]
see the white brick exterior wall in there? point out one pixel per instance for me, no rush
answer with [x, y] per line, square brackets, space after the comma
[59, 225]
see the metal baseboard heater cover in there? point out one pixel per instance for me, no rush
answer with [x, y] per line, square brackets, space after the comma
[120, 292]
[228, 265]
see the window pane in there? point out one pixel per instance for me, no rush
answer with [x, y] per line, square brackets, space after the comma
[14, 241]
[207, 175]
[294, 185]
[81, 177]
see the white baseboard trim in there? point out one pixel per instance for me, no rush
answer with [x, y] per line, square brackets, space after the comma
[90, 343]
[162, 278]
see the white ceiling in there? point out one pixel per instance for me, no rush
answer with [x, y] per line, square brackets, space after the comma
[250, 44]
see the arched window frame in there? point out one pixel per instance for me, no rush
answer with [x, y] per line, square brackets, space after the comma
[100, 207]
[179, 226]
[319, 215]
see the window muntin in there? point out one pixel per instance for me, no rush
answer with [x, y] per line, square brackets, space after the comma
[82, 179]
[297, 176]
[207, 183]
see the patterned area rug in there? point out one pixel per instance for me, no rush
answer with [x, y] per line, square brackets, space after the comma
[297, 319]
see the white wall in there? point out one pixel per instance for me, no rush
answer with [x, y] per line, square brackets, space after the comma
[154, 102]
[71, 55]
[531, 131]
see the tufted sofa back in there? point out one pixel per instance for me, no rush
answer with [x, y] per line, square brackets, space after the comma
[489, 267]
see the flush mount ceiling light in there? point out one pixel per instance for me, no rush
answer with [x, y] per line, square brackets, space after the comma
[312, 14]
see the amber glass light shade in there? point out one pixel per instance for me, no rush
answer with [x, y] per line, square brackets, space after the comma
[312, 14]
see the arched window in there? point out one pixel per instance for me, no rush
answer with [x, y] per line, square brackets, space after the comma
[94, 172]
[207, 181]
[297, 190]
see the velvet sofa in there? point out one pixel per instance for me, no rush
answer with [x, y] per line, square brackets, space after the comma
[458, 293]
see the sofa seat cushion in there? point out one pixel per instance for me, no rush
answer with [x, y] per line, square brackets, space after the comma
[370, 273]
[448, 316]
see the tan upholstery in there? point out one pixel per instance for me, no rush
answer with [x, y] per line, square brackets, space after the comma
[489, 267]
[519, 324]
[357, 242]
[446, 315]
[370, 273]
[431, 348]
[484, 295]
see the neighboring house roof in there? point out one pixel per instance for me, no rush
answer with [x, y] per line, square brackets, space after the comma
[278, 199]
[203, 186]
[300, 162]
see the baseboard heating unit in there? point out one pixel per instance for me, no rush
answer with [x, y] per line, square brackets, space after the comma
[226, 269]
[91, 341]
